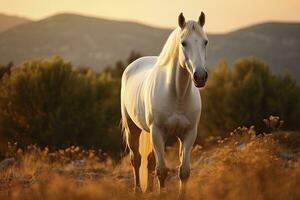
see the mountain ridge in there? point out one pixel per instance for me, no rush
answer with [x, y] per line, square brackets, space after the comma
[98, 42]
[10, 21]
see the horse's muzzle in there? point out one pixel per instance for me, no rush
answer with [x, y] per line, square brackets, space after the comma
[200, 80]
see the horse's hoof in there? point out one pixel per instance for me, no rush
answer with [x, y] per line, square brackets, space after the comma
[163, 190]
[149, 190]
[181, 196]
[137, 191]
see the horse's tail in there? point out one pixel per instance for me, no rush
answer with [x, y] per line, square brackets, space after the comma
[123, 121]
[145, 148]
[124, 127]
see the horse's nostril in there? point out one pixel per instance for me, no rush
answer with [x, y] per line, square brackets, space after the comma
[195, 76]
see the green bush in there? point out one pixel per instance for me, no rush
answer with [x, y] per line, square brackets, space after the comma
[245, 95]
[49, 103]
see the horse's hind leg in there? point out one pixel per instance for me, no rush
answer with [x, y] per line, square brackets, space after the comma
[151, 171]
[132, 138]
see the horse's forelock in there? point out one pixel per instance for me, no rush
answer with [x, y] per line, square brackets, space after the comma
[192, 26]
[170, 48]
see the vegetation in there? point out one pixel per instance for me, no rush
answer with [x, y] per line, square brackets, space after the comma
[52, 104]
[46, 102]
[244, 165]
[72, 117]
[245, 95]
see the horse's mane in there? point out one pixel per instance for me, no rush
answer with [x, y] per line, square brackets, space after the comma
[170, 48]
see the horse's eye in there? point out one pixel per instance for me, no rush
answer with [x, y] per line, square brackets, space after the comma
[205, 42]
[183, 43]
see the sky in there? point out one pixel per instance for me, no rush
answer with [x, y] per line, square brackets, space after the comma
[221, 15]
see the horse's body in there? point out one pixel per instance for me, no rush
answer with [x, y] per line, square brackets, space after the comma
[158, 96]
[152, 99]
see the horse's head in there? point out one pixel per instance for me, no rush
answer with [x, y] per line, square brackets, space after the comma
[192, 49]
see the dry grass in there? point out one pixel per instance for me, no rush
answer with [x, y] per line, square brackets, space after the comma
[243, 166]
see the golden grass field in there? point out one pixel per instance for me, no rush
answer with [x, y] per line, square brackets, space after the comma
[242, 166]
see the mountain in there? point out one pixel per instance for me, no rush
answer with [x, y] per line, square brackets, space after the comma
[7, 22]
[96, 42]
[84, 40]
[276, 43]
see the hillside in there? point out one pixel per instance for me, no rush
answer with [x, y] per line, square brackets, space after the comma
[276, 43]
[96, 42]
[7, 22]
[83, 40]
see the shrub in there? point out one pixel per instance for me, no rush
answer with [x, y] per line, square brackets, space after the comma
[245, 95]
[47, 102]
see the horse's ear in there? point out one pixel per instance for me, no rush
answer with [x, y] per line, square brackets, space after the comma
[201, 20]
[181, 21]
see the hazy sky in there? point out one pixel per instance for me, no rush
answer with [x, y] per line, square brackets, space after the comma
[222, 15]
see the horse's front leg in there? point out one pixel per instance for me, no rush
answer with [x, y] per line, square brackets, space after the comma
[158, 141]
[187, 140]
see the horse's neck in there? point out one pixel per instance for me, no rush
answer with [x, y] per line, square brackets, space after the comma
[179, 81]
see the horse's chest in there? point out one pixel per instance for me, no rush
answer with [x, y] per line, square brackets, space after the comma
[175, 123]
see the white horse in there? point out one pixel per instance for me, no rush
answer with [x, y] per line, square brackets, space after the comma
[160, 96]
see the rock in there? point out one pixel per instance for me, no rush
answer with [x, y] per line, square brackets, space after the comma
[6, 163]
[78, 163]
[286, 155]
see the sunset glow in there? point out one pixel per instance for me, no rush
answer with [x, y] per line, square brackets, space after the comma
[222, 16]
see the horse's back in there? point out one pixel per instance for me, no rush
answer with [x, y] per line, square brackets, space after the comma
[138, 68]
